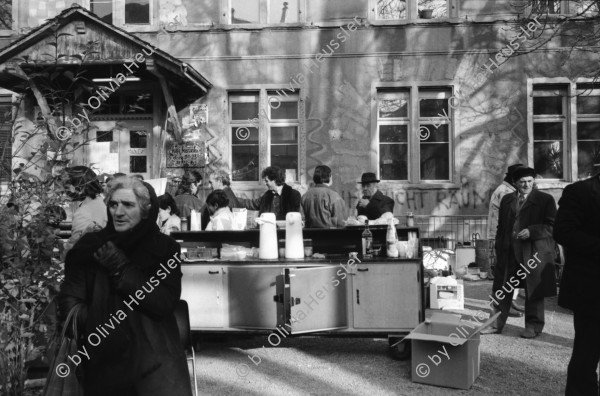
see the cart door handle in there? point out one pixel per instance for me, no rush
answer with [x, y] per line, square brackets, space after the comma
[294, 301]
[213, 272]
[278, 298]
[357, 297]
[363, 269]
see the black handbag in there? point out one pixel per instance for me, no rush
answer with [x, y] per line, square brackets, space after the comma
[62, 378]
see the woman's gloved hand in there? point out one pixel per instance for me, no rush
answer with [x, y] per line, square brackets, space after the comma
[112, 258]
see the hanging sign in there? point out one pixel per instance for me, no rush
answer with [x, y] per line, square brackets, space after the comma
[186, 155]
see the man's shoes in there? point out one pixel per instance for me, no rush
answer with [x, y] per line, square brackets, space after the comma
[530, 333]
[490, 330]
[517, 307]
[514, 314]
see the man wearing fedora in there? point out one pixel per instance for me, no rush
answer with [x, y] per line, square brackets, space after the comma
[373, 203]
[577, 228]
[525, 252]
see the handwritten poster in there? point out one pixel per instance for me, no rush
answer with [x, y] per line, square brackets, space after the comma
[186, 155]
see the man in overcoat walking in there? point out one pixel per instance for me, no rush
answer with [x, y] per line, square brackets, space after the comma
[525, 251]
[578, 230]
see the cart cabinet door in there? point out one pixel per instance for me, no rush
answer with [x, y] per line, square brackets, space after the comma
[251, 297]
[203, 289]
[386, 296]
[312, 299]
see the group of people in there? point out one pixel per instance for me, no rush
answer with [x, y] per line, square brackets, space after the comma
[525, 230]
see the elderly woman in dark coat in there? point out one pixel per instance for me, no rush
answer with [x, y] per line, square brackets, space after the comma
[128, 279]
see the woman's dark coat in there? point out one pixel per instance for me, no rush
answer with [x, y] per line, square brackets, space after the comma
[128, 325]
[537, 215]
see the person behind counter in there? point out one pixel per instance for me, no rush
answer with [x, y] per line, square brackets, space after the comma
[219, 180]
[168, 219]
[373, 203]
[323, 207]
[185, 198]
[105, 273]
[279, 199]
[221, 217]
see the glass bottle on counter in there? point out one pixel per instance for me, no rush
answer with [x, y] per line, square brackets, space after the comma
[367, 241]
[391, 239]
[410, 219]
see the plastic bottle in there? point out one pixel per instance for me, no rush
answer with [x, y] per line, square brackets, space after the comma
[391, 239]
[367, 242]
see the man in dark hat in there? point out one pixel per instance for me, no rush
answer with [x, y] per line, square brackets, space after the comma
[577, 229]
[507, 187]
[525, 251]
[373, 203]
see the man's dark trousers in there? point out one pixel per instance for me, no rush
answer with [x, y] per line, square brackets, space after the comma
[582, 379]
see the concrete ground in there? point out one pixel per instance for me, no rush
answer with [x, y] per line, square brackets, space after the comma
[510, 365]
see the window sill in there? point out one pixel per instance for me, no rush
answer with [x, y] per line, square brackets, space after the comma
[421, 185]
[551, 184]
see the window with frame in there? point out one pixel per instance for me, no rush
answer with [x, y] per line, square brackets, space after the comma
[263, 11]
[422, 141]
[6, 116]
[410, 9]
[135, 12]
[588, 130]
[549, 130]
[264, 128]
[6, 14]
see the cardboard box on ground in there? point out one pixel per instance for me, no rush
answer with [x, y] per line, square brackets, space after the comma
[442, 338]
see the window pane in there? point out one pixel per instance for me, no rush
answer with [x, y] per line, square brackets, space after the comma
[547, 131]
[391, 9]
[547, 158]
[104, 136]
[244, 11]
[138, 139]
[588, 154]
[244, 111]
[429, 133]
[6, 15]
[433, 107]
[244, 163]
[438, 8]
[435, 159]
[393, 161]
[282, 11]
[588, 130]
[588, 7]
[137, 164]
[588, 104]
[546, 7]
[286, 157]
[284, 110]
[138, 104]
[244, 135]
[284, 135]
[393, 108]
[333, 10]
[198, 11]
[547, 105]
[137, 11]
[102, 8]
[393, 133]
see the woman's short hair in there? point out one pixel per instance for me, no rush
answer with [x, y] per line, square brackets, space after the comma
[322, 174]
[166, 201]
[85, 180]
[274, 173]
[139, 190]
[185, 186]
[222, 177]
[217, 197]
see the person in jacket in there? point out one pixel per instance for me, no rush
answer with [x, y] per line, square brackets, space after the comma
[323, 207]
[373, 203]
[168, 216]
[90, 215]
[279, 198]
[221, 217]
[525, 251]
[507, 187]
[577, 229]
[185, 198]
[219, 180]
[127, 278]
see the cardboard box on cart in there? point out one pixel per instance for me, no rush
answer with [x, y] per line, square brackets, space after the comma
[445, 351]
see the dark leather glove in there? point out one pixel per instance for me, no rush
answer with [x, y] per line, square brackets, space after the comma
[112, 258]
